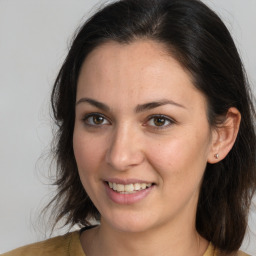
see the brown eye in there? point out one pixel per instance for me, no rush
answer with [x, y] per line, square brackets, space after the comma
[159, 121]
[95, 120]
[98, 119]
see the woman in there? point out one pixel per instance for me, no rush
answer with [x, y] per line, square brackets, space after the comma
[156, 136]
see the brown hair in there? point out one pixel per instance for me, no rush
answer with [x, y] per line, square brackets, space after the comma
[199, 40]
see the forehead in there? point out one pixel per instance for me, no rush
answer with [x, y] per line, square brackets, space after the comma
[140, 55]
[143, 70]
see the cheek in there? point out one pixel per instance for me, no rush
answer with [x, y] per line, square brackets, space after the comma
[169, 153]
[179, 155]
[87, 153]
[180, 168]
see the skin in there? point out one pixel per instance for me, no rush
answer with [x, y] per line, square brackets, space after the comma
[125, 143]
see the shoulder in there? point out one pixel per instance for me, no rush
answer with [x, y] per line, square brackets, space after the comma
[240, 253]
[212, 251]
[61, 245]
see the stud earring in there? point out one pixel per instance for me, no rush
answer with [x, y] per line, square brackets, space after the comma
[216, 156]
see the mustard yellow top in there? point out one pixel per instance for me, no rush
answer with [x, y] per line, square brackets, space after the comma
[69, 245]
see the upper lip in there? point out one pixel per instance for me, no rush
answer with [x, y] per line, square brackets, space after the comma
[126, 181]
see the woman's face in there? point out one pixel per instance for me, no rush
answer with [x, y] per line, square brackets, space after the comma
[141, 137]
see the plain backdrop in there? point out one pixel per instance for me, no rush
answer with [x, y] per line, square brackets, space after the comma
[34, 38]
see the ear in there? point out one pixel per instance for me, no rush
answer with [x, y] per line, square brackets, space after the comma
[224, 136]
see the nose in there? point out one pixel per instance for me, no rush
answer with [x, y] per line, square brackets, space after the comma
[125, 149]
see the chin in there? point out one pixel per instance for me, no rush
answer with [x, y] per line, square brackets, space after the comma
[130, 223]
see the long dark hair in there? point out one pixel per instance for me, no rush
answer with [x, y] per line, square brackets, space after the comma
[198, 39]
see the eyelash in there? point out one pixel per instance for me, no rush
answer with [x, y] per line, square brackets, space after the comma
[94, 115]
[161, 117]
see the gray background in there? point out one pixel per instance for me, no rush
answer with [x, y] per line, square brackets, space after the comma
[34, 38]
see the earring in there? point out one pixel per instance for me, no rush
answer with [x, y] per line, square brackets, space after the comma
[216, 156]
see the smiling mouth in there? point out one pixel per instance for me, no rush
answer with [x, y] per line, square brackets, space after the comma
[129, 188]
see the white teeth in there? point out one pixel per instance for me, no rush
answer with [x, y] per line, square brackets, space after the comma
[129, 188]
[143, 185]
[137, 186]
[120, 187]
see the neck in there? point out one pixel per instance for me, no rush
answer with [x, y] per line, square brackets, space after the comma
[104, 240]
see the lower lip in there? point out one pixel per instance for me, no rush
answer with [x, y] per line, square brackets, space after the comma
[127, 198]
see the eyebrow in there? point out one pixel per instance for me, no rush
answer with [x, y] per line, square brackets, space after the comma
[155, 104]
[138, 109]
[94, 103]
